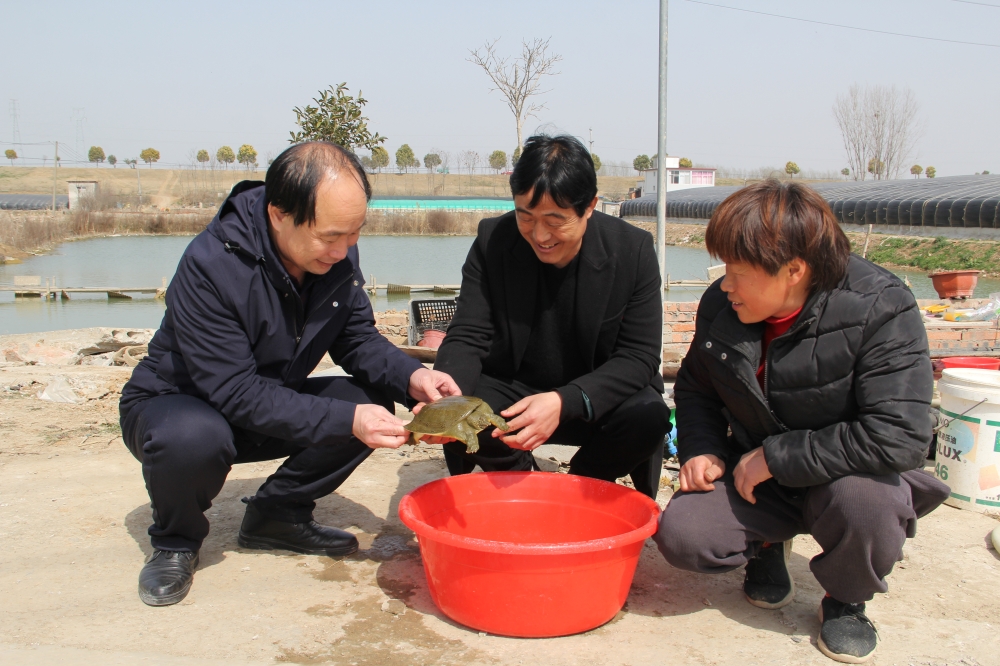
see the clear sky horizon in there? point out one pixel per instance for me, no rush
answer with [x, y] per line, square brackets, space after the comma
[746, 90]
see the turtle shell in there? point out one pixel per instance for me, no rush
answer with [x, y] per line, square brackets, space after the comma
[442, 415]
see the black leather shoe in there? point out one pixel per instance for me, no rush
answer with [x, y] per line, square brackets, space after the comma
[166, 577]
[261, 533]
[768, 583]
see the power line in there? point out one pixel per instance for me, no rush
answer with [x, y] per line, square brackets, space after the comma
[847, 27]
[984, 4]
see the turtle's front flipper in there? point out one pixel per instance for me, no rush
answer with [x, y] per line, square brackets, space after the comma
[499, 422]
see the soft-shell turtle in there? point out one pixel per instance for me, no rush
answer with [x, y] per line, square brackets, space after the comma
[458, 416]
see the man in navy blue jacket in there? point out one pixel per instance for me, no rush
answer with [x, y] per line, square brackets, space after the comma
[259, 297]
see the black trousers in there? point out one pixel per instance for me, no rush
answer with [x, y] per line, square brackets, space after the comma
[187, 449]
[627, 441]
[860, 521]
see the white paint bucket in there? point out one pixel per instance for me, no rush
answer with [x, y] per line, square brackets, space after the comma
[968, 447]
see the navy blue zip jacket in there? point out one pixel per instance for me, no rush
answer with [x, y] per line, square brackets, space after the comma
[237, 335]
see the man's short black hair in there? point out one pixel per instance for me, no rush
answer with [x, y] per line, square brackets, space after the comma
[559, 166]
[293, 178]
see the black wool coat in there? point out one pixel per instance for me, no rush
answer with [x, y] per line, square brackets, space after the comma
[237, 335]
[619, 313]
[848, 386]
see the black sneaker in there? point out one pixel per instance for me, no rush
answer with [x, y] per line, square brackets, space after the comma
[166, 577]
[768, 583]
[845, 633]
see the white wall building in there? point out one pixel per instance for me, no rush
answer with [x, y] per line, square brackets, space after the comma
[678, 178]
[79, 189]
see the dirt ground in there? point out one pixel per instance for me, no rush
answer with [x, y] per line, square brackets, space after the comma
[73, 519]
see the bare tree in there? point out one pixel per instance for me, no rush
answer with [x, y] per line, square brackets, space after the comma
[878, 125]
[445, 159]
[518, 80]
[469, 159]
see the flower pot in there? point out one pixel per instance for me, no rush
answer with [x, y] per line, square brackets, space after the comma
[955, 284]
[432, 339]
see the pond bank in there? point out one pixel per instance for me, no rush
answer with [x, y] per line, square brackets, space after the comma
[891, 251]
[26, 233]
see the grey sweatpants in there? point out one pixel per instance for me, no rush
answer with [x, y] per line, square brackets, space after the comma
[860, 521]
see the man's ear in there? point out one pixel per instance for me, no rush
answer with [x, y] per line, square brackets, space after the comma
[277, 216]
[590, 209]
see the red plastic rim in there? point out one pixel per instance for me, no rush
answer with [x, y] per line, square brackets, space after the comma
[982, 362]
[422, 529]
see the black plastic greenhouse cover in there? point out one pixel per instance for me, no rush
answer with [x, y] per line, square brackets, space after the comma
[970, 202]
[32, 201]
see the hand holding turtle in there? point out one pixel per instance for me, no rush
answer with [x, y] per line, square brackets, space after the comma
[430, 385]
[537, 417]
[377, 428]
[453, 418]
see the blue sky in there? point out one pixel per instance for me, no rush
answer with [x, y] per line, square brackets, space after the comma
[745, 90]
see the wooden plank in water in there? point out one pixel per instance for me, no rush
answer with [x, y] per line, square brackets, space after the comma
[118, 294]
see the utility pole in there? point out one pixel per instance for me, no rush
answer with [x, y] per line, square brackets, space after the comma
[136, 166]
[661, 160]
[15, 127]
[55, 176]
[591, 140]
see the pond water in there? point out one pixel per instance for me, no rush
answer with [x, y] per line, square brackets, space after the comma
[143, 261]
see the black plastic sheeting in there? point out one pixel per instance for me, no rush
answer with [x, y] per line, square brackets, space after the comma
[31, 201]
[966, 202]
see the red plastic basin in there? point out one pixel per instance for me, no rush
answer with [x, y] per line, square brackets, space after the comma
[982, 362]
[529, 554]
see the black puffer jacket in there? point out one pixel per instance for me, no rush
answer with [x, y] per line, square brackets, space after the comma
[847, 387]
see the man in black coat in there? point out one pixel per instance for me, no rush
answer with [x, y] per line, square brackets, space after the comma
[802, 408]
[259, 297]
[559, 327]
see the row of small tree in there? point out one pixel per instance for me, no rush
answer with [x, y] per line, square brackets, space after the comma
[406, 159]
[643, 162]
[246, 155]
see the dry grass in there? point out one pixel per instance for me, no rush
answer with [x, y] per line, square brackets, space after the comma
[189, 187]
[37, 231]
[421, 222]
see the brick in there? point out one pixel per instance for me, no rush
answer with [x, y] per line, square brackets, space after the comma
[979, 334]
[688, 307]
[684, 327]
[944, 334]
[673, 355]
[681, 337]
[670, 306]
